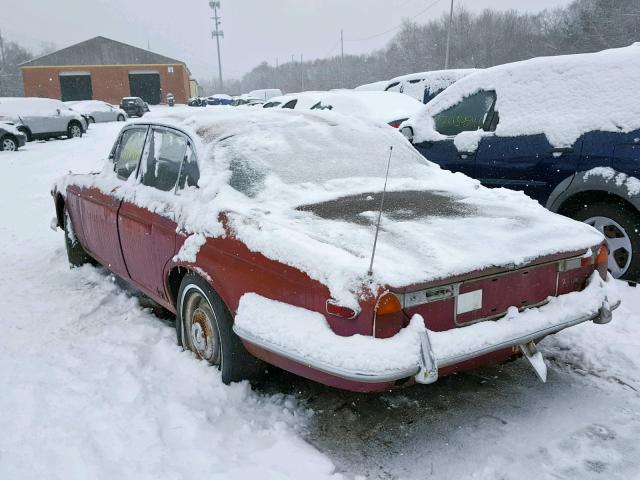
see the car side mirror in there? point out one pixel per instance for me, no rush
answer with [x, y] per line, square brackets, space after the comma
[408, 133]
[58, 110]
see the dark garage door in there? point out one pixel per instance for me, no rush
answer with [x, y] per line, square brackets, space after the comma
[145, 86]
[75, 87]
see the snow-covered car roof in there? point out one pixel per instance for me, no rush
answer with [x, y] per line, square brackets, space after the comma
[305, 100]
[562, 97]
[436, 79]
[373, 87]
[379, 106]
[26, 105]
[414, 84]
[88, 106]
[282, 177]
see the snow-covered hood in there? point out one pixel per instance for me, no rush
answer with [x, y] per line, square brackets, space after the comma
[562, 97]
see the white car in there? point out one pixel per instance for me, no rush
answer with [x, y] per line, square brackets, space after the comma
[423, 86]
[98, 111]
[265, 93]
[385, 107]
[42, 117]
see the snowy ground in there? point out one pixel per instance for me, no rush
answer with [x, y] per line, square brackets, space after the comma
[93, 386]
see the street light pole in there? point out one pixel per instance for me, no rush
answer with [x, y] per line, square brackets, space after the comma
[217, 33]
[446, 55]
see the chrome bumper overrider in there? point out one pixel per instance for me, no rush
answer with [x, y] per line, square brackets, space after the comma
[429, 364]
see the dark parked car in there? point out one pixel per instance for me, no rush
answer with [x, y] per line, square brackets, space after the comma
[11, 138]
[197, 102]
[134, 106]
[267, 254]
[565, 130]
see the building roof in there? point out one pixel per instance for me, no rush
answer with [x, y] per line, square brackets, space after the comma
[100, 51]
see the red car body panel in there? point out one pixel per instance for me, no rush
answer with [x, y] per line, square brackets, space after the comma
[148, 242]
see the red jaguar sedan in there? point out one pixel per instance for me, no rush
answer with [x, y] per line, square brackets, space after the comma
[327, 246]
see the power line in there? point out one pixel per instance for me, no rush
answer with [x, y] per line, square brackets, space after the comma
[431, 5]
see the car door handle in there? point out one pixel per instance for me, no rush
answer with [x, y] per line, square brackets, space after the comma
[465, 155]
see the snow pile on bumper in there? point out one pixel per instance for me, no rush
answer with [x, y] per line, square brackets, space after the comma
[305, 336]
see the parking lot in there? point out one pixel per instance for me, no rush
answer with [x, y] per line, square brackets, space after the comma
[97, 388]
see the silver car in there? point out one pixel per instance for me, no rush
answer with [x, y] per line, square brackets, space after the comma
[98, 111]
[42, 117]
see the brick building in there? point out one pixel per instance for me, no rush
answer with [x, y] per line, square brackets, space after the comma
[103, 69]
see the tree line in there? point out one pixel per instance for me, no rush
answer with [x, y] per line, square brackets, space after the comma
[479, 40]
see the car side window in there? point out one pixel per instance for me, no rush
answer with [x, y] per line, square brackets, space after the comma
[128, 152]
[472, 113]
[160, 167]
[290, 104]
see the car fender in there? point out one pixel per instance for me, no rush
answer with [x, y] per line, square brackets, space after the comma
[609, 182]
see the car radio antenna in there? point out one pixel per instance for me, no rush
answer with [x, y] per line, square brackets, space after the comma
[384, 190]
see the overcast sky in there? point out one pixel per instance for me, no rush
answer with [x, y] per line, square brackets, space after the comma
[255, 30]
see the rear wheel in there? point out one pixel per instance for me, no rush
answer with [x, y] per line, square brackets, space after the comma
[75, 253]
[621, 229]
[74, 130]
[205, 326]
[121, 118]
[8, 144]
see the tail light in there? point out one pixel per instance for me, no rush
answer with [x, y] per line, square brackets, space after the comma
[340, 310]
[397, 123]
[388, 317]
[388, 303]
[602, 260]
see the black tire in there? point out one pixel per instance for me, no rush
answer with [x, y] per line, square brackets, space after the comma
[628, 221]
[121, 118]
[75, 253]
[8, 143]
[26, 132]
[211, 337]
[92, 120]
[74, 130]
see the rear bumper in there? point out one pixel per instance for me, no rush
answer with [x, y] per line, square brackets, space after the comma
[426, 352]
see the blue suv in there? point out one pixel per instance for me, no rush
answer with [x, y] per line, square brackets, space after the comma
[593, 179]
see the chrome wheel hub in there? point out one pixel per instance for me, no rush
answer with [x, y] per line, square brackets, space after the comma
[618, 241]
[75, 131]
[8, 145]
[200, 328]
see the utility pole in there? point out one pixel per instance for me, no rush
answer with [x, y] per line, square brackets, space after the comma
[217, 33]
[301, 74]
[2, 65]
[341, 58]
[2, 51]
[446, 55]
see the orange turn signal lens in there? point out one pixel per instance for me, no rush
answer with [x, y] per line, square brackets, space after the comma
[602, 257]
[602, 261]
[388, 303]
